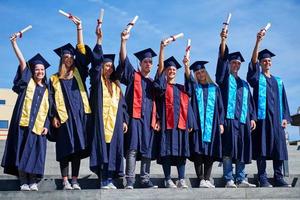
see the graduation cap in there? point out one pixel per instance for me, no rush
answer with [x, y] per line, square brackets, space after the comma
[198, 65]
[38, 59]
[171, 62]
[109, 58]
[236, 56]
[265, 54]
[66, 49]
[146, 53]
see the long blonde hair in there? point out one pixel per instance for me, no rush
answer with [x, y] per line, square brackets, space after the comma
[108, 82]
[63, 73]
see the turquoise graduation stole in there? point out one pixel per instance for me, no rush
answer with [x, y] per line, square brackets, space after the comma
[262, 96]
[232, 88]
[206, 121]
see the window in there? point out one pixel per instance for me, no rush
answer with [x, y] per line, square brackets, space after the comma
[4, 124]
[2, 102]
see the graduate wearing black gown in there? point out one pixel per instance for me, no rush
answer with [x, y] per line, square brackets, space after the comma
[206, 99]
[25, 149]
[71, 109]
[140, 100]
[273, 114]
[109, 117]
[177, 120]
[239, 115]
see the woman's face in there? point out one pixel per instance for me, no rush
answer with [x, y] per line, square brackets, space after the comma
[68, 60]
[107, 69]
[39, 72]
[201, 75]
[171, 72]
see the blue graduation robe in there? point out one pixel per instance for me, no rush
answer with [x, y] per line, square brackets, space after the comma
[197, 145]
[140, 135]
[99, 154]
[236, 139]
[269, 136]
[71, 136]
[25, 150]
[173, 143]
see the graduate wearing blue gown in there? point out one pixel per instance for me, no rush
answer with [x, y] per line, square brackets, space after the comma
[177, 120]
[273, 114]
[70, 110]
[25, 149]
[239, 115]
[206, 99]
[108, 120]
[140, 100]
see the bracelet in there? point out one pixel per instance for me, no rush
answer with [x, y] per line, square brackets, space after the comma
[79, 29]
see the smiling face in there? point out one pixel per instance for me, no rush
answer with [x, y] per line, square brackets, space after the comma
[146, 65]
[235, 66]
[171, 72]
[266, 64]
[201, 75]
[39, 72]
[107, 69]
[68, 60]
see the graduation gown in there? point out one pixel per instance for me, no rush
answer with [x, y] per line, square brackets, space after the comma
[236, 139]
[71, 136]
[269, 137]
[25, 150]
[99, 154]
[173, 143]
[197, 145]
[140, 135]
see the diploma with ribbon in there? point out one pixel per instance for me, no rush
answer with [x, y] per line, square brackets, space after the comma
[227, 21]
[20, 33]
[173, 38]
[267, 27]
[100, 19]
[131, 24]
[188, 48]
[68, 15]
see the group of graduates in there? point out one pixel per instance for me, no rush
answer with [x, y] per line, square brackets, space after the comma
[156, 119]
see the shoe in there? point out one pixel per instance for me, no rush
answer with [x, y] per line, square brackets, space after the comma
[210, 184]
[111, 186]
[203, 184]
[245, 184]
[170, 184]
[281, 183]
[129, 185]
[67, 186]
[181, 184]
[265, 183]
[230, 184]
[76, 186]
[24, 187]
[148, 184]
[33, 187]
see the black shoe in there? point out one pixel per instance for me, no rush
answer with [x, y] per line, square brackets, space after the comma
[265, 183]
[148, 184]
[281, 183]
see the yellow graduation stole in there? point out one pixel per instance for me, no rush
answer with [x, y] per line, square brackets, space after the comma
[110, 109]
[59, 98]
[42, 113]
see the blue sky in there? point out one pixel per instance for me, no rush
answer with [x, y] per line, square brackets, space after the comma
[198, 19]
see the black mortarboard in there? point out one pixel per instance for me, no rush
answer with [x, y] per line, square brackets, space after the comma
[171, 62]
[38, 59]
[265, 54]
[198, 65]
[236, 56]
[146, 53]
[66, 49]
[109, 58]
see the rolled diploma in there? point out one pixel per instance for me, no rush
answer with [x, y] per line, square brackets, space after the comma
[130, 25]
[188, 48]
[174, 37]
[267, 26]
[67, 15]
[24, 30]
[100, 20]
[227, 21]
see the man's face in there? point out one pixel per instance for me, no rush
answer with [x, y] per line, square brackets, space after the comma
[146, 65]
[235, 66]
[266, 64]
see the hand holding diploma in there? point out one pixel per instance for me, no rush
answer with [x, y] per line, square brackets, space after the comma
[172, 38]
[131, 24]
[227, 22]
[188, 48]
[100, 19]
[75, 19]
[20, 33]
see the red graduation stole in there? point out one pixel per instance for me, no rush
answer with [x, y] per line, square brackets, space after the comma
[184, 101]
[138, 99]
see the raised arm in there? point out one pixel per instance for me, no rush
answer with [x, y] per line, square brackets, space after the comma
[223, 35]
[222, 71]
[259, 38]
[123, 51]
[161, 57]
[22, 62]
